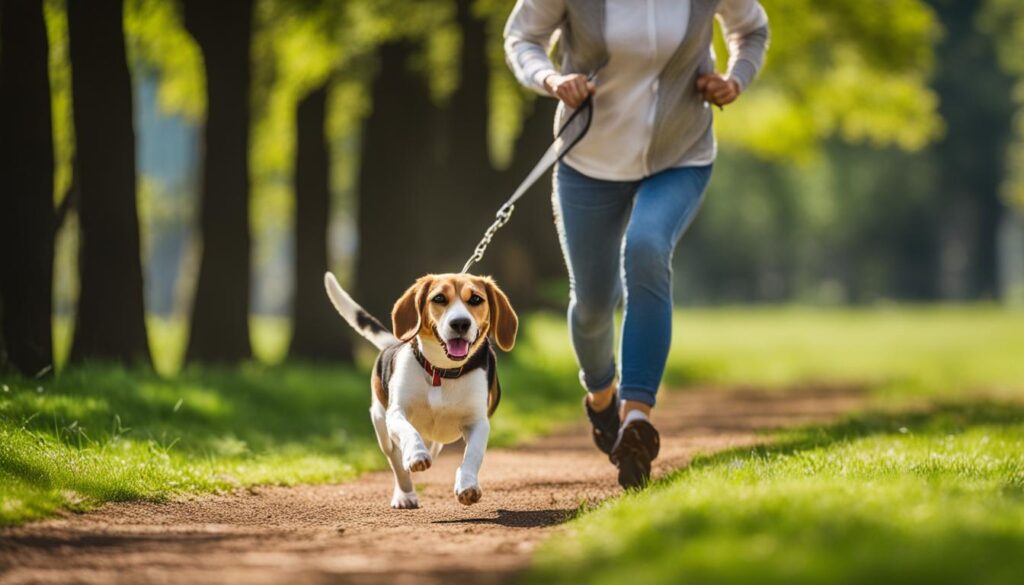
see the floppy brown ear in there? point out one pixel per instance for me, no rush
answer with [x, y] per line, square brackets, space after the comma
[408, 312]
[503, 318]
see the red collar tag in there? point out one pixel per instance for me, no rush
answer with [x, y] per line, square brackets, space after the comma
[434, 373]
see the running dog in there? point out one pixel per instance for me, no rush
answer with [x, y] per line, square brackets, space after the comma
[435, 380]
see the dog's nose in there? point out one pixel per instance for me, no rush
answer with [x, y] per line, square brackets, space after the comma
[460, 326]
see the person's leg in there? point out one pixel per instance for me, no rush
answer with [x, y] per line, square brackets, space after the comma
[665, 204]
[591, 216]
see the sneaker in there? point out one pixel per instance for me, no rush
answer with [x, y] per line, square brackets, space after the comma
[605, 424]
[637, 445]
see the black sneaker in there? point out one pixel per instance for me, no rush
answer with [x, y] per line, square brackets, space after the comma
[637, 445]
[605, 424]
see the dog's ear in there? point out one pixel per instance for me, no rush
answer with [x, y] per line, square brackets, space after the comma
[406, 317]
[503, 318]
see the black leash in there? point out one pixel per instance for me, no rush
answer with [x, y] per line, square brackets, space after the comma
[559, 148]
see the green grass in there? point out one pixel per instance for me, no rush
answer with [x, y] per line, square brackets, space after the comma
[933, 498]
[929, 495]
[923, 350]
[102, 433]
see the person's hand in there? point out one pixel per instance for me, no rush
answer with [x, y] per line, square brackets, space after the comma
[572, 89]
[718, 90]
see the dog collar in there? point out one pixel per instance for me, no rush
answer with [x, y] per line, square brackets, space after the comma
[436, 373]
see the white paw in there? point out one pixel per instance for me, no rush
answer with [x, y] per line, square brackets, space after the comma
[417, 459]
[467, 490]
[469, 496]
[404, 501]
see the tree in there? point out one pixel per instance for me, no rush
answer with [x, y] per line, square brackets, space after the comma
[220, 315]
[466, 182]
[970, 159]
[526, 255]
[317, 333]
[397, 172]
[26, 172]
[1003, 21]
[110, 322]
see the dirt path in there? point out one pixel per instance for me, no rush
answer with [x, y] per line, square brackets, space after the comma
[331, 533]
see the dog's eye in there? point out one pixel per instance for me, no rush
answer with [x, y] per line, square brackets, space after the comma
[475, 300]
[439, 299]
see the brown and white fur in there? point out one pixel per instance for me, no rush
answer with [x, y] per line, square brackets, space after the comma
[413, 418]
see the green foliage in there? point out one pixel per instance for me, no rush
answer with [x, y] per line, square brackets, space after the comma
[299, 46]
[851, 70]
[157, 40]
[60, 96]
[934, 497]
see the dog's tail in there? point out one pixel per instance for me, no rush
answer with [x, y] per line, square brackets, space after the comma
[364, 323]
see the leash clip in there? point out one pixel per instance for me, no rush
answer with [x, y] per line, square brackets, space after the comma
[558, 149]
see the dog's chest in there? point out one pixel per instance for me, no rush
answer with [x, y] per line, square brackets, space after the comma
[440, 412]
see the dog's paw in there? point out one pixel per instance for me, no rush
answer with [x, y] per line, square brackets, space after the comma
[467, 490]
[417, 460]
[469, 496]
[404, 501]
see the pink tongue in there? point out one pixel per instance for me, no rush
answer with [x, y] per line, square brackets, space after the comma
[458, 347]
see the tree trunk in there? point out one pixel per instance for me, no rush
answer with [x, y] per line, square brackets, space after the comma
[111, 316]
[319, 333]
[470, 194]
[398, 174]
[970, 159]
[529, 256]
[26, 172]
[220, 315]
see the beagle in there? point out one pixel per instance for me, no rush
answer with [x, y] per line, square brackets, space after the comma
[435, 380]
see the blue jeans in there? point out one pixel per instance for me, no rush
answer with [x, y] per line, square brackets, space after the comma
[618, 237]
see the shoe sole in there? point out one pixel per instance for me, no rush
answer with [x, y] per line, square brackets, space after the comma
[637, 446]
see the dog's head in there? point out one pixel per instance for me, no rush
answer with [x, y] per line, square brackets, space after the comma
[455, 312]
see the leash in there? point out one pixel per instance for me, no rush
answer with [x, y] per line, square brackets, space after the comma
[558, 149]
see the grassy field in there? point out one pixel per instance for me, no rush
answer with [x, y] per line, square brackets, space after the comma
[102, 433]
[925, 487]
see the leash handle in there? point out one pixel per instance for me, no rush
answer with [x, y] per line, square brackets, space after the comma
[559, 148]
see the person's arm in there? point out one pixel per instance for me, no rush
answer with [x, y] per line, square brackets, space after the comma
[745, 28]
[528, 33]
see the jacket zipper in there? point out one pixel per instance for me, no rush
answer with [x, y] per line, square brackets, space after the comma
[653, 39]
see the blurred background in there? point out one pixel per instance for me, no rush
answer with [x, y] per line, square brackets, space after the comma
[209, 160]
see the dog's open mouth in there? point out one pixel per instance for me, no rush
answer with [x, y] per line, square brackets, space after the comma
[456, 348]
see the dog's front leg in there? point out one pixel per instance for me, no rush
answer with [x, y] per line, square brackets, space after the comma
[467, 485]
[415, 455]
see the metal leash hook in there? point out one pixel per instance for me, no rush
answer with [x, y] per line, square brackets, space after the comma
[559, 148]
[504, 214]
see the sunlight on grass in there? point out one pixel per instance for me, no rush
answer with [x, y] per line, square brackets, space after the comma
[927, 497]
[168, 337]
[97, 433]
[936, 498]
[100, 433]
[906, 349]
